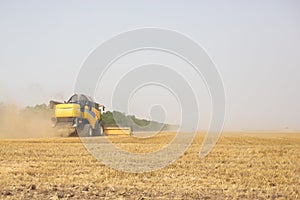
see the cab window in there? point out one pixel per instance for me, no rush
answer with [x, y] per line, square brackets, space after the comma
[73, 99]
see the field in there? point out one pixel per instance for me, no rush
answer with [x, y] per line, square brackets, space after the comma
[242, 165]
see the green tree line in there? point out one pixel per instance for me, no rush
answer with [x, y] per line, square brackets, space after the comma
[116, 118]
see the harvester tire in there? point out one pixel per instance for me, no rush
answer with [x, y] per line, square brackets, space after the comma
[90, 131]
[98, 131]
[87, 131]
[101, 130]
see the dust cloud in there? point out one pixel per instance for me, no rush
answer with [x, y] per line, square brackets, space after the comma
[25, 123]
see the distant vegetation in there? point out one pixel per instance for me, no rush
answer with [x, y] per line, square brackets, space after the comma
[116, 118]
[38, 108]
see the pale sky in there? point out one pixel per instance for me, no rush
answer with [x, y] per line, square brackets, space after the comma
[255, 45]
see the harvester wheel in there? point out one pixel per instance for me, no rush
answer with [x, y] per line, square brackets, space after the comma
[101, 130]
[98, 131]
[90, 131]
[87, 131]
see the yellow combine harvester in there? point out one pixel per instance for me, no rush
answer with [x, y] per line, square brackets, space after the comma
[82, 116]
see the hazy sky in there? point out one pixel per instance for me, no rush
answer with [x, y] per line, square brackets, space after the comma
[254, 44]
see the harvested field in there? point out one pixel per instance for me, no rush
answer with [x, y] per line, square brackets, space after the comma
[242, 165]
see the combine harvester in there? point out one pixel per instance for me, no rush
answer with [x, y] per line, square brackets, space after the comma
[80, 115]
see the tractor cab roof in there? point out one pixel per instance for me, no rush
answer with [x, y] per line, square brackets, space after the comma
[76, 98]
